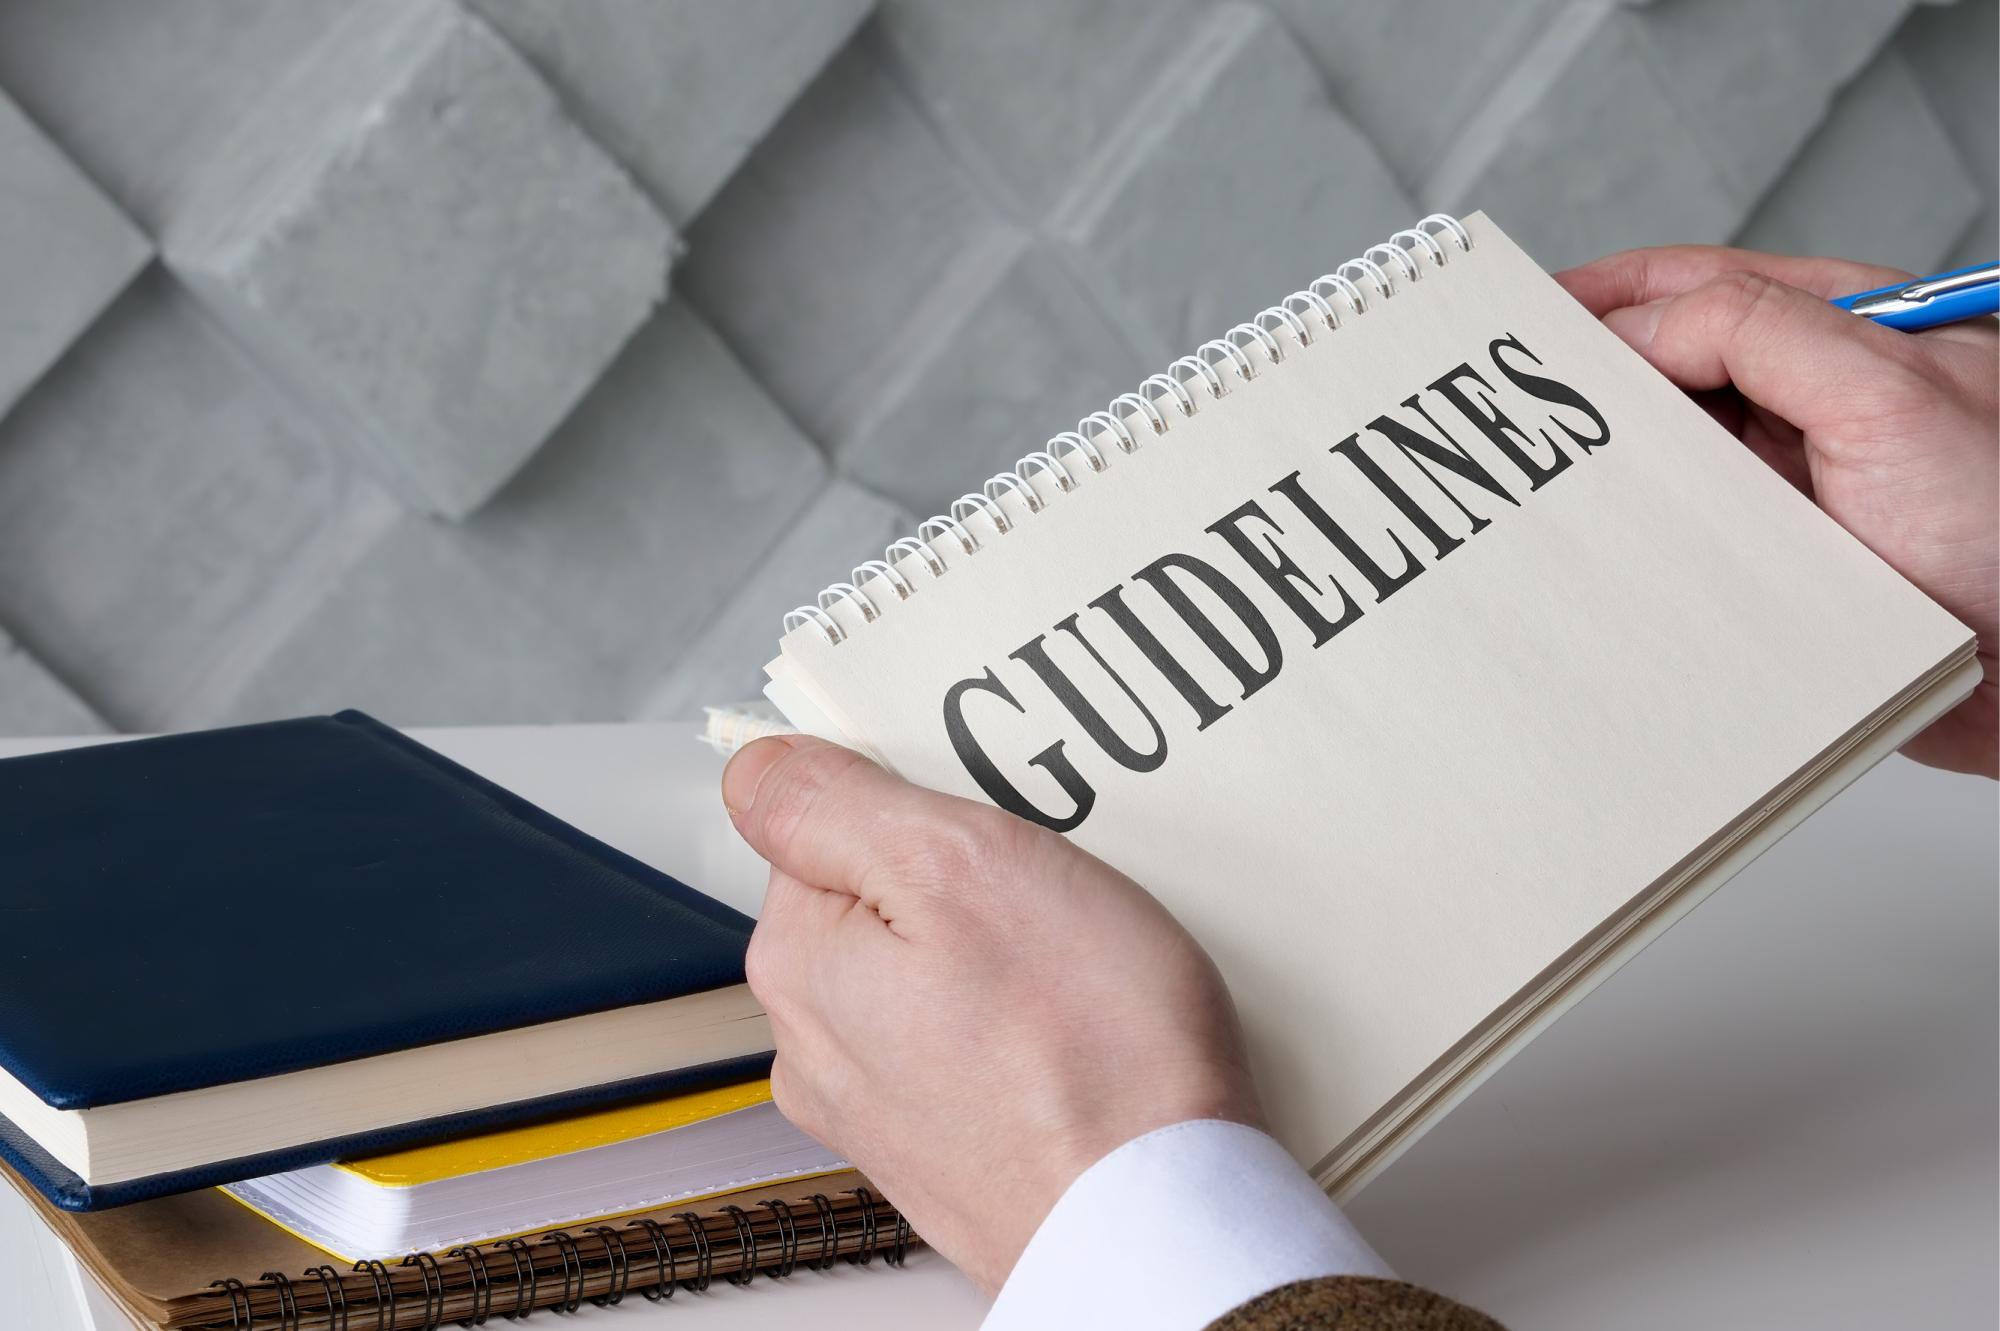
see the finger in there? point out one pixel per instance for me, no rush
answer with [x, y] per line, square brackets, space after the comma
[817, 932]
[1786, 350]
[806, 807]
[787, 899]
[830, 818]
[1639, 277]
[1778, 444]
[795, 1097]
[789, 948]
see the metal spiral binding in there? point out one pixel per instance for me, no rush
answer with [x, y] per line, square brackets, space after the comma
[524, 1289]
[620, 1263]
[288, 1299]
[334, 1293]
[236, 1291]
[829, 1232]
[788, 1238]
[704, 1258]
[665, 1263]
[384, 1288]
[1380, 273]
[474, 1258]
[433, 1278]
[472, 1274]
[572, 1257]
[746, 1243]
[866, 1252]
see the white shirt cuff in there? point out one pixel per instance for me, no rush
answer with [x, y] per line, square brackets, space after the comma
[1174, 1229]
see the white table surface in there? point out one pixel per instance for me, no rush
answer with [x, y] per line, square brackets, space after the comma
[1781, 1115]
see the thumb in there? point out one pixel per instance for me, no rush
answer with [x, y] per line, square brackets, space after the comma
[1790, 352]
[828, 817]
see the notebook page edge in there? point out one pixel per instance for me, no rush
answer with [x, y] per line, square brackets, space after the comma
[1346, 1170]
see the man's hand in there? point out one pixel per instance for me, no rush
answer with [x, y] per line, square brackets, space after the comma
[1893, 434]
[972, 1008]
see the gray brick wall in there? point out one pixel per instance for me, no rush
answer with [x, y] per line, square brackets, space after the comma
[523, 360]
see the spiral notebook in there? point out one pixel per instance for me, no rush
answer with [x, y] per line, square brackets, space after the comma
[197, 1261]
[1424, 650]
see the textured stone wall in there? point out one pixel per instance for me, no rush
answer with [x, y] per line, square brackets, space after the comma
[524, 360]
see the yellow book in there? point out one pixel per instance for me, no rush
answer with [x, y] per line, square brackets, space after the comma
[521, 1180]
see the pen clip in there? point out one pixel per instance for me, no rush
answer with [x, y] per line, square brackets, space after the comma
[1932, 287]
[1919, 293]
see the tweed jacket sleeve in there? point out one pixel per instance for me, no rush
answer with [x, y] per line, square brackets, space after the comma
[1352, 1303]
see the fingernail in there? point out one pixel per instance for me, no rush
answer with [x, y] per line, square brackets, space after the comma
[1636, 324]
[746, 772]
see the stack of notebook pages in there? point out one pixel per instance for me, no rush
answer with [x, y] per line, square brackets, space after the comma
[586, 1169]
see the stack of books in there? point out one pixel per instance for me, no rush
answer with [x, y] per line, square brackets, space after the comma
[303, 1023]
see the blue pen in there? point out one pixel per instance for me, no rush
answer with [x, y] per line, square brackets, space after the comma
[1947, 298]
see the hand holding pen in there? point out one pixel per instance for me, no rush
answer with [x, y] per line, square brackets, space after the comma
[1897, 438]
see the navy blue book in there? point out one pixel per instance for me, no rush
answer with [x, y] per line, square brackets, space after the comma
[241, 951]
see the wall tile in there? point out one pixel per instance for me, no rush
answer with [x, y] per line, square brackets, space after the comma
[155, 491]
[675, 475]
[725, 661]
[678, 90]
[582, 583]
[1012, 366]
[65, 251]
[418, 633]
[1036, 89]
[34, 702]
[836, 241]
[1590, 93]
[1750, 81]
[1955, 48]
[1415, 75]
[1918, 200]
[142, 93]
[1251, 184]
[419, 243]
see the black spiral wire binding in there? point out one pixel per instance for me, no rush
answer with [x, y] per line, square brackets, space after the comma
[829, 1232]
[704, 1258]
[866, 1252]
[746, 1246]
[239, 1298]
[618, 1261]
[430, 1274]
[481, 1293]
[788, 1238]
[667, 1267]
[385, 1293]
[1305, 315]
[334, 1311]
[571, 1299]
[525, 1286]
[334, 1292]
[288, 1303]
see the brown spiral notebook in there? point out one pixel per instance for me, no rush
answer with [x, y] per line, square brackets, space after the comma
[198, 1261]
